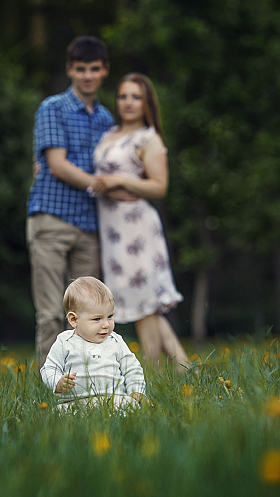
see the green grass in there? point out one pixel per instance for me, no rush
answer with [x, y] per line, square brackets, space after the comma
[200, 438]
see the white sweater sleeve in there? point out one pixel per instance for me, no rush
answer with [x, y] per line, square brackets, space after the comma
[53, 369]
[132, 370]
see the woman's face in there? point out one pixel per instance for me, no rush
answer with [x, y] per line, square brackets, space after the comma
[130, 103]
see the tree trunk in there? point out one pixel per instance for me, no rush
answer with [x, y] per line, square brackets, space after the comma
[199, 306]
[277, 284]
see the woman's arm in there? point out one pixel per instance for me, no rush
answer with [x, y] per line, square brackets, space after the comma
[121, 195]
[156, 169]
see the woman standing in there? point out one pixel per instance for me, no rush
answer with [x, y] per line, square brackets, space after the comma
[134, 255]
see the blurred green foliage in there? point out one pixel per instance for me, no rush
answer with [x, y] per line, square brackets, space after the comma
[18, 101]
[215, 66]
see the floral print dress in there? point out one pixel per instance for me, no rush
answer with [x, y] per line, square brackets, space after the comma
[134, 255]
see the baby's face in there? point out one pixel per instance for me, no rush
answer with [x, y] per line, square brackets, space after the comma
[95, 322]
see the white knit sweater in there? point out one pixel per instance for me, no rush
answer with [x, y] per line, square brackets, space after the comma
[102, 368]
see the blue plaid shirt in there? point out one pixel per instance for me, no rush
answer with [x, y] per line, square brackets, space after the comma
[63, 121]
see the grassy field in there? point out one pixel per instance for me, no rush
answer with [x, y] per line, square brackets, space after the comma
[217, 434]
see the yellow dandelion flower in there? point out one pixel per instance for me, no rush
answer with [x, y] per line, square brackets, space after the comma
[150, 446]
[265, 358]
[273, 407]
[134, 347]
[8, 361]
[100, 443]
[43, 406]
[228, 384]
[270, 467]
[194, 357]
[221, 380]
[187, 390]
[21, 368]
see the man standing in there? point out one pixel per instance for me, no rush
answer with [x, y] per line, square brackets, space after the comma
[62, 221]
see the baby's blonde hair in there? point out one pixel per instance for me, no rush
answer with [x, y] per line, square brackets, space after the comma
[84, 288]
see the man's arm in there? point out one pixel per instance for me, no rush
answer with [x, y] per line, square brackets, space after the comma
[64, 170]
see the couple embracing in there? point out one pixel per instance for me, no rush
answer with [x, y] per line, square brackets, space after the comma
[95, 176]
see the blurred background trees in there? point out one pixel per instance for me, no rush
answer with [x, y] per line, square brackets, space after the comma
[215, 66]
[18, 103]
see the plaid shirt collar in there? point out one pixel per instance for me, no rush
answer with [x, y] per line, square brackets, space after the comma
[76, 103]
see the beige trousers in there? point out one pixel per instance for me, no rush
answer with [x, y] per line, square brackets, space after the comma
[118, 401]
[59, 253]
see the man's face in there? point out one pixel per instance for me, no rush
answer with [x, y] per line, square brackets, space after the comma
[87, 77]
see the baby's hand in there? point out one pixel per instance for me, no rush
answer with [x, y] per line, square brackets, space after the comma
[66, 382]
[140, 398]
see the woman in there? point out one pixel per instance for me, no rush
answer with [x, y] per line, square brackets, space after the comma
[134, 255]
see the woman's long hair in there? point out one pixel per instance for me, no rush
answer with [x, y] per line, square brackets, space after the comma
[150, 101]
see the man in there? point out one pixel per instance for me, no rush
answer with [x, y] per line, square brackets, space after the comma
[62, 223]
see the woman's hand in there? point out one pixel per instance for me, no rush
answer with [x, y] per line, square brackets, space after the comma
[66, 382]
[36, 168]
[112, 181]
[98, 185]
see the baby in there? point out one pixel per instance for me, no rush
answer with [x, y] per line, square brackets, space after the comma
[91, 360]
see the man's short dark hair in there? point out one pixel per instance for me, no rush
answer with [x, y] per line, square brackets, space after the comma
[86, 49]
